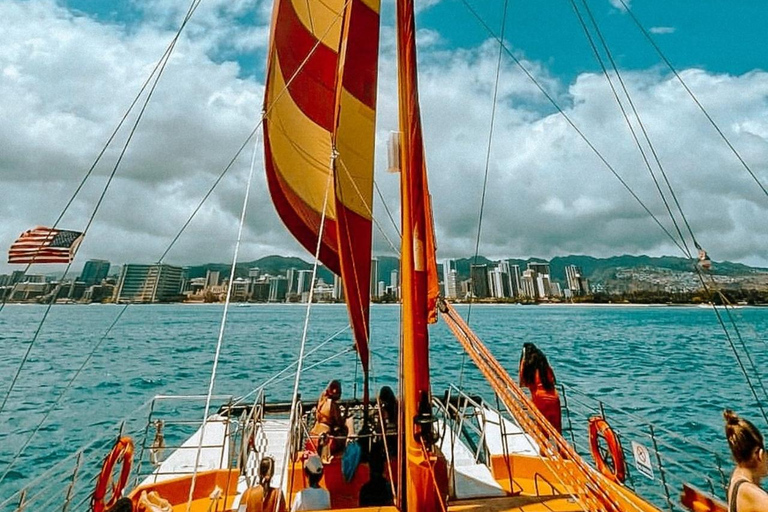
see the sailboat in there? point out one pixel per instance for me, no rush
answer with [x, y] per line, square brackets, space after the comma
[319, 128]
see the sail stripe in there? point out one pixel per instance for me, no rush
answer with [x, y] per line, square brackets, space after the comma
[354, 239]
[301, 150]
[323, 123]
[301, 220]
[313, 87]
[361, 57]
[322, 19]
[354, 140]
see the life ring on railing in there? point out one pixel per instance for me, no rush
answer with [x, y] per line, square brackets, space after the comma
[122, 451]
[598, 427]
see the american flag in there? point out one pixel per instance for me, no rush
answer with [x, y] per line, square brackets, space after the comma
[45, 245]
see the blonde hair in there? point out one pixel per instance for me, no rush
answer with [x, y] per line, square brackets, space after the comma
[743, 437]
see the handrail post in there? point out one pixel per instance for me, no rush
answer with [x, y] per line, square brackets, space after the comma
[144, 441]
[568, 415]
[71, 488]
[723, 478]
[661, 469]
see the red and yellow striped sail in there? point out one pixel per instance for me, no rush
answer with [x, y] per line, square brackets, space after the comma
[321, 96]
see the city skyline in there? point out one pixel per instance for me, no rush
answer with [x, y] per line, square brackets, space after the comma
[548, 193]
[483, 279]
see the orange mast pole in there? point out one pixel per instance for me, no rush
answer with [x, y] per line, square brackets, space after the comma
[423, 476]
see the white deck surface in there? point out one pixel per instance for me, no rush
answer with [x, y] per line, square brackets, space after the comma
[213, 454]
[518, 442]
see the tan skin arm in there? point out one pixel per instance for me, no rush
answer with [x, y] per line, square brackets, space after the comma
[752, 499]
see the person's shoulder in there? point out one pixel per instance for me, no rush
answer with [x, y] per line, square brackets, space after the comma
[755, 496]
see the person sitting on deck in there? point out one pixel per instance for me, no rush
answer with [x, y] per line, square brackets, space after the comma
[262, 498]
[378, 490]
[748, 450]
[538, 377]
[329, 431]
[313, 497]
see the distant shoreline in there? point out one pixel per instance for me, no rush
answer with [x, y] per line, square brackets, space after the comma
[377, 304]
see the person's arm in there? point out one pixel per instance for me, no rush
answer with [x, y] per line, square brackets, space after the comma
[244, 501]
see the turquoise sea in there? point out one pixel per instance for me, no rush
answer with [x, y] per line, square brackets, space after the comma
[670, 366]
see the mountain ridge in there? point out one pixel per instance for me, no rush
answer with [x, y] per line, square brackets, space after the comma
[592, 268]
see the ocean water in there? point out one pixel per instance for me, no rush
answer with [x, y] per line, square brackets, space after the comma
[672, 367]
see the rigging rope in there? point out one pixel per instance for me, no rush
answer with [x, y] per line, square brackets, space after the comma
[623, 182]
[223, 324]
[639, 120]
[289, 442]
[558, 454]
[273, 378]
[698, 270]
[692, 95]
[573, 125]
[485, 181]
[61, 395]
[161, 65]
[369, 209]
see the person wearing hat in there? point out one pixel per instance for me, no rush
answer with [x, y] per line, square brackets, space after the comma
[313, 497]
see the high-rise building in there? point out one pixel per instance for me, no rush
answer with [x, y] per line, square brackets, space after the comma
[94, 272]
[278, 287]
[528, 287]
[575, 281]
[338, 288]
[515, 287]
[212, 278]
[498, 283]
[511, 276]
[293, 281]
[303, 282]
[479, 276]
[449, 279]
[260, 291]
[541, 278]
[148, 283]
[374, 278]
[539, 267]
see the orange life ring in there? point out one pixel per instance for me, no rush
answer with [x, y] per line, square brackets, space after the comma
[599, 427]
[123, 450]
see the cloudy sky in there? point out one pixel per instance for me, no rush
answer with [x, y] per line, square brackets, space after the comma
[69, 70]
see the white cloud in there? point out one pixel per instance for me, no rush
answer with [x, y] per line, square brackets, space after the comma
[662, 30]
[67, 79]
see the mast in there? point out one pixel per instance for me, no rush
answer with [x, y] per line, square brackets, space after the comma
[423, 476]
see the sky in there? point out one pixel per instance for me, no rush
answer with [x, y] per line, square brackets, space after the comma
[70, 68]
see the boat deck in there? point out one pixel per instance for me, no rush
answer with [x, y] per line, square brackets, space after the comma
[504, 504]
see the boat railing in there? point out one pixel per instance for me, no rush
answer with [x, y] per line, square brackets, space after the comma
[670, 460]
[171, 420]
[68, 483]
[658, 461]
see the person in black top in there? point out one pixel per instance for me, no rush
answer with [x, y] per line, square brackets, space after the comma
[748, 450]
[377, 491]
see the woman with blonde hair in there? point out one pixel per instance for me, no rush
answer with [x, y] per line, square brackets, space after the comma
[748, 450]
